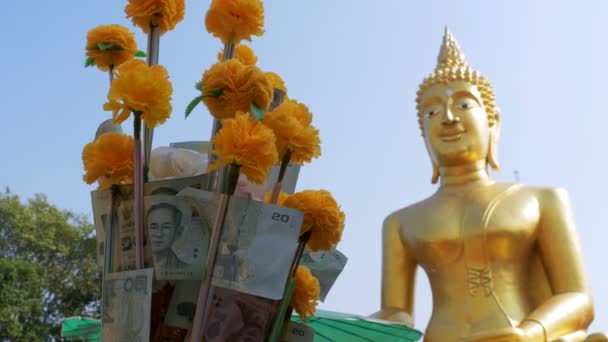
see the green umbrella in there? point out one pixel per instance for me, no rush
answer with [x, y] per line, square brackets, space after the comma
[81, 328]
[334, 326]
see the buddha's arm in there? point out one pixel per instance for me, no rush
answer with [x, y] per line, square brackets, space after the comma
[398, 275]
[570, 308]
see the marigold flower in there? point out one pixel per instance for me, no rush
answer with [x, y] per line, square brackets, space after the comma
[163, 13]
[138, 87]
[246, 142]
[109, 159]
[242, 53]
[291, 125]
[120, 43]
[282, 197]
[276, 81]
[322, 215]
[231, 86]
[306, 293]
[235, 20]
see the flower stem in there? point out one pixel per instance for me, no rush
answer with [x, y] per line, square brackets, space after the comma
[111, 72]
[152, 58]
[232, 179]
[276, 189]
[138, 189]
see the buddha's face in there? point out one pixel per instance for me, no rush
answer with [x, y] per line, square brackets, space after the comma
[455, 124]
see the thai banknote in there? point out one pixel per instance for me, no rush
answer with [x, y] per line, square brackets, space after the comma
[236, 316]
[179, 227]
[182, 306]
[257, 246]
[126, 306]
[297, 332]
[326, 266]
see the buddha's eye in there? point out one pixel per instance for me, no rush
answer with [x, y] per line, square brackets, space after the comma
[465, 104]
[431, 112]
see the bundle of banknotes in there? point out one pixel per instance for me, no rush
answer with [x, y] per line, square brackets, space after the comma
[257, 246]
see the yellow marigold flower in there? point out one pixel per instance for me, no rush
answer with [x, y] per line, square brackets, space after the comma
[321, 214]
[276, 81]
[109, 159]
[140, 88]
[242, 53]
[120, 42]
[163, 13]
[246, 142]
[231, 86]
[306, 293]
[235, 20]
[291, 125]
[282, 197]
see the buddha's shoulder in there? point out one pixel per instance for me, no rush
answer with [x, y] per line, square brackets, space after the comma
[417, 213]
[411, 212]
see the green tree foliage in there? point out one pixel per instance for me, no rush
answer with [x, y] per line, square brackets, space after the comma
[47, 269]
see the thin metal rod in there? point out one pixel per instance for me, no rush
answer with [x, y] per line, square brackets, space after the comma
[204, 294]
[153, 51]
[138, 188]
[111, 72]
[216, 178]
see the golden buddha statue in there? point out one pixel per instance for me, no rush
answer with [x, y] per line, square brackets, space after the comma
[502, 259]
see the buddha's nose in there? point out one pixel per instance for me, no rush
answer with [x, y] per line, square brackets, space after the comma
[449, 117]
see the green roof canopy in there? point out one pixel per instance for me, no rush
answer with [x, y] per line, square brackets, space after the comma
[332, 326]
[81, 328]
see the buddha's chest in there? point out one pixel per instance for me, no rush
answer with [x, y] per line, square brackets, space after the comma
[497, 226]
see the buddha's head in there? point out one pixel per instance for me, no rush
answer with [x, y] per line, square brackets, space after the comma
[457, 113]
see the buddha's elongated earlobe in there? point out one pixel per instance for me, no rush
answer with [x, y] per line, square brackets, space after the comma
[435, 177]
[493, 152]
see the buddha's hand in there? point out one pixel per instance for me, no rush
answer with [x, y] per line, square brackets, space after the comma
[526, 332]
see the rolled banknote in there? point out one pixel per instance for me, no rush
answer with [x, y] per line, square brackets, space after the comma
[126, 309]
[257, 246]
[325, 266]
[235, 317]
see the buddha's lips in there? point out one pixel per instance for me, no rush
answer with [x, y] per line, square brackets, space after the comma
[451, 134]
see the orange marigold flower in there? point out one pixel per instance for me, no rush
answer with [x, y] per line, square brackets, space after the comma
[231, 86]
[246, 142]
[138, 87]
[109, 159]
[242, 53]
[120, 43]
[276, 81]
[163, 13]
[235, 20]
[291, 124]
[322, 215]
[306, 293]
[282, 197]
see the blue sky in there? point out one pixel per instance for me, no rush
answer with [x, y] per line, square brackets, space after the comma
[357, 65]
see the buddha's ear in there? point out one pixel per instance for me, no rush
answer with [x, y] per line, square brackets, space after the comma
[492, 157]
[435, 177]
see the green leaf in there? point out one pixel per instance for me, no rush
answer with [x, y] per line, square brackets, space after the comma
[103, 46]
[257, 111]
[193, 104]
[90, 61]
[216, 92]
[140, 53]
[199, 86]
